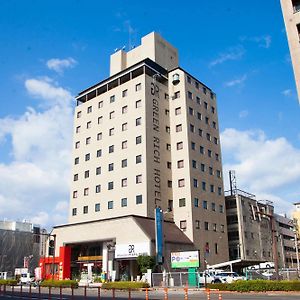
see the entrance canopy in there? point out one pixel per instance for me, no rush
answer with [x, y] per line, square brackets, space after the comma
[235, 264]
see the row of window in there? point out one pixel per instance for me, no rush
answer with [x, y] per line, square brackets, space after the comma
[204, 186]
[198, 86]
[206, 226]
[182, 203]
[110, 205]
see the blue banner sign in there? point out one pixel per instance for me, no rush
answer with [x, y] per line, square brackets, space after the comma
[159, 235]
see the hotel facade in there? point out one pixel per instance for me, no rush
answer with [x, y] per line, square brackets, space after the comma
[146, 137]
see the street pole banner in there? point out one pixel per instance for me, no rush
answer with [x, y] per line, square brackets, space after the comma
[159, 235]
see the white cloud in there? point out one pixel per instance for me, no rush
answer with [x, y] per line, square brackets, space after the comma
[237, 81]
[234, 53]
[263, 166]
[35, 184]
[243, 114]
[59, 65]
[287, 93]
[263, 41]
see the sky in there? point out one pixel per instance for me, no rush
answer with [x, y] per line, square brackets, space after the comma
[51, 50]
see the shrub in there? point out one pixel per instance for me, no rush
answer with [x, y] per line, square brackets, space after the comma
[257, 286]
[145, 262]
[8, 282]
[60, 283]
[123, 285]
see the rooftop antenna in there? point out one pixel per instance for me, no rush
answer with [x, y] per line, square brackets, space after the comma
[124, 47]
[117, 49]
[232, 182]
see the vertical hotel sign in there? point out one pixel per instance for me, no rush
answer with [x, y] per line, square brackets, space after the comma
[159, 235]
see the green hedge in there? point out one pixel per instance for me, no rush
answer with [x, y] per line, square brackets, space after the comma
[123, 285]
[8, 282]
[257, 286]
[60, 283]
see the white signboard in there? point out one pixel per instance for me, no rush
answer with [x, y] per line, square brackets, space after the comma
[132, 250]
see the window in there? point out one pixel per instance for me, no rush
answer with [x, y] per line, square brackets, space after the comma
[214, 125]
[215, 140]
[213, 206]
[77, 145]
[123, 202]
[78, 114]
[88, 125]
[168, 147]
[99, 153]
[98, 170]
[138, 121]
[216, 248]
[111, 131]
[124, 109]
[197, 224]
[77, 129]
[138, 140]
[98, 188]
[205, 105]
[197, 85]
[212, 110]
[209, 153]
[210, 171]
[222, 228]
[124, 93]
[85, 209]
[219, 174]
[208, 137]
[169, 183]
[139, 199]
[212, 188]
[76, 161]
[112, 99]
[178, 127]
[195, 182]
[112, 114]
[217, 156]
[75, 194]
[124, 182]
[74, 211]
[86, 192]
[138, 159]
[204, 90]
[170, 205]
[182, 202]
[192, 128]
[138, 87]
[201, 149]
[111, 149]
[219, 191]
[124, 145]
[181, 183]
[221, 208]
[177, 111]
[124, 163]
[200, 132]
[191, 111]
[87, 156]
[97, 207]
[179, 145]
[196, 202]
[206, 226]
[166, 96]
[180, 164]
[198, 100]
[169, 165]
[167, 112]
[87, 140]
[99, 136]
[194, 164]
[138, 103]
[111, 185]
[183, 225]
[87, 174]
[167, 129]
[176, 95]
[111, 167]
[204, 204]
[138, 179]
[202, 167]
[188, 79]
[190, 95]
[89, 109]
[110, 204]
[199, 116]
[100, 104]
[203, 186]
[100, 120]
[75, 177]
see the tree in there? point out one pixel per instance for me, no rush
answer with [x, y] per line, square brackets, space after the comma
[145, 262]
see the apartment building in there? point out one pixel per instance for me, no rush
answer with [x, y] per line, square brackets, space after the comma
[296, 217]
[146, 137]
[291, 15]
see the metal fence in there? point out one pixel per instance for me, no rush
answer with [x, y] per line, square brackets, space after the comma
[172, 279]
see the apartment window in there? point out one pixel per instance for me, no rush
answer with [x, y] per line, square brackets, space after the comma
[210, 171]
[100, 104]
[169, 183]
[203, 186]
[124, 93]
[75, 194]
[170, 205]
[194, 164]
[88, 125]
[110, 185]
[166, 96]
[167, 112]
[111, 149]
[124, 163]
[219, 191]
[205, 105]
[180, 164]
[200, 132]
[75, 177]
[138, 140]
[216, 248]
[99, 136]
[193, 145]
[111, 167]
[112, 114]
[87, 156]
[74, 211]
[199, 116]
[89, 109]
[201, 149]
[112, 99]
[217, 156]
[138, 103]
[206, 226]
[182, 202]
[124, 144]
[209, 153]
[139, 199]
[87, 174]
[86, 192]
[98, 170]
[192, 128]
[97, 207]
[76, 161]
[207, 120]
[188, 79]
[167, 129]
[197, 85]
[124, 182]
[198, 100]
[100, 120]
[138, 121]
[215, 140]
[110, 204]
[202, 167]
[78, 129]
[168, 147]
[123, 202]
[183, 225]
[204, 90]
[124, 109]
[98, 188]
[87, 140]
[222, 228]
[197, 224]
[191, 111]
[208, 137]
[179, 145]
[138, 159]
[181, 183]
[214, 125]
[138, 179]
[190, 95]
[177, 111]
[85, 209]
[212, 110]
[176, 95]
[138, 87]
[218, 173]
[221, 208]
[77, 145]
[195, 182]
[196, 202]
[211, 95]
[111, 131]
[169, 165]
[204, 204]
[99, 153]
[212, 188]
[178, 127]
[213, 206]
[78, 114]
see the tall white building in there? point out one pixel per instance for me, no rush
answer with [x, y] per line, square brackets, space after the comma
[146, 137]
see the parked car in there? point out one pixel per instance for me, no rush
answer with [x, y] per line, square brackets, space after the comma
[265, 265]
[227, 277]
[201, 278]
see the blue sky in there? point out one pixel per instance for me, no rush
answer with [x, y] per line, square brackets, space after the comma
[237, 48]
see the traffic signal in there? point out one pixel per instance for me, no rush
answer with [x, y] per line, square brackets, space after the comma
[51, 247]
